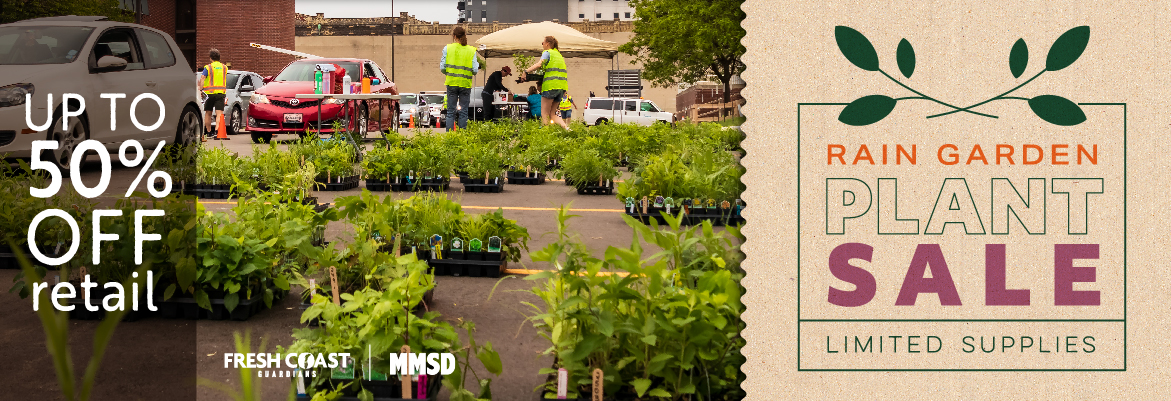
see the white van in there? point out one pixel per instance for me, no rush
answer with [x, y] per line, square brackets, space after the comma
[601, 110]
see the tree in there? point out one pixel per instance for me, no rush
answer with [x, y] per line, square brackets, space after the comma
[684, 40]
[17, 10]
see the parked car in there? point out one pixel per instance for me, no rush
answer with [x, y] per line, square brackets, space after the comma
[239, 82]
[601, 110]
[410, 105]
[432, 103]
[275, 109]
[90, 56]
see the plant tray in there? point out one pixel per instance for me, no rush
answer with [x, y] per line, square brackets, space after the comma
[596, 190]
[384, 390]
[338, 184]
[209, 191]
[433, 184]
[176, 188]
[378, 185]
[187, 308]
[489, 188]
[519, 178]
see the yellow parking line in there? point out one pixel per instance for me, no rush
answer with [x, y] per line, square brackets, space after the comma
[533, 271]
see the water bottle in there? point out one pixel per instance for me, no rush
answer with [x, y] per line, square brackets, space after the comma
[317, 81]
[347, 86]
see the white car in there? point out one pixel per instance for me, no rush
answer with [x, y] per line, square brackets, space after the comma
[409, 105]
[90, 56]
[602, 110]
[432, 103]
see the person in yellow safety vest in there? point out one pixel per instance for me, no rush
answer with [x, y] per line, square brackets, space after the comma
[566, 112]
[214, 77]
[556, 82]
[459, 64]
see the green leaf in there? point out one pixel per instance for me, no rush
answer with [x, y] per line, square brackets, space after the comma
[1018, 58]
[650, 339]
[856, 48]
[202, 300]
[169, 292]
[1057, 110]
[659, 392]
[905, 55]
[640, 386]
[867, 110]
[491, 359]
[1067, 48]
[231, 300]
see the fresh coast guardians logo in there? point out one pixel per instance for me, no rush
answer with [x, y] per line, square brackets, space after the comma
[992, 239]
[340, 364]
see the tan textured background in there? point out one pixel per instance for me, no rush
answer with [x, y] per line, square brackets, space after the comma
[962, 51]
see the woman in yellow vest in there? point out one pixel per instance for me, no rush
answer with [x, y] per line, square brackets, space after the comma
[555, 84]
[215, 78]
[459, 63]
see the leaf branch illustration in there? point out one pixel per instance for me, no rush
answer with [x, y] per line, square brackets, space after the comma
[1053, 109]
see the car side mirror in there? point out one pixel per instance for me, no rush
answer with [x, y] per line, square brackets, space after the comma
[268, 79]
[111, 63]
[375, 81]
[247, 88]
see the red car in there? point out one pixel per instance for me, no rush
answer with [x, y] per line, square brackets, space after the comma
[274, 108]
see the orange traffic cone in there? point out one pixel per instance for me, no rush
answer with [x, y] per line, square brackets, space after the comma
[412, 126]
[221, 127]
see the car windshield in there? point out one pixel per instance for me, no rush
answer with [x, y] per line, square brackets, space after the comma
[648, 106]
[407, 99]
[27, 45]
[433, 99]
[303, 71]
[232, 80]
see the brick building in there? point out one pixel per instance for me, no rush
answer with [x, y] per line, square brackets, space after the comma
[227, 25]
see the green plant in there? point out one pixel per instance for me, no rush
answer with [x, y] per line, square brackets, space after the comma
[660, 327]
[586, 167]
[216, 166]
[56, 326]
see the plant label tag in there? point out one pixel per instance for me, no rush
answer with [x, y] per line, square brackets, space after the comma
[376, 375]
[343, 372]
[630, 204]
[337, 300]
[659, 201]
[494, 244]
[711, 203]
[644, 200]
[669, 202]
[739, 207]
[598, 389]
[312, 284]
[477, 245]
[300, 382]
[562, 383]
[457, 245]
[82, 273]
[406, 379]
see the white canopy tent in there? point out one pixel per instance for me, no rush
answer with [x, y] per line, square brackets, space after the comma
[526, 39]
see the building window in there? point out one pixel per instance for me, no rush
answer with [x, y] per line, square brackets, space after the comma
[484, 3]
[627, 15]
[582, 16]
[483, 14]
[615, 15]
[483, 20]
[599, 15]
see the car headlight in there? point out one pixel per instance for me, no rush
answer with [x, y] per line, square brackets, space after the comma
[332, 101]
[258, 99]
[13, 95]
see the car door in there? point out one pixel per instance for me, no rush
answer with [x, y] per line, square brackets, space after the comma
[649, 113]
[165, 79]
[629, 113]
[132, 81]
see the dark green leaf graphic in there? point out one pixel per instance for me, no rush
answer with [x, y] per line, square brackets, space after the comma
[1018, 58]
[1056, 110]
[906, 58]
[867, 110]
[856, 48]
[1067, 48]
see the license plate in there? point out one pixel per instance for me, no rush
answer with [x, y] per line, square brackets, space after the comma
[293, 118]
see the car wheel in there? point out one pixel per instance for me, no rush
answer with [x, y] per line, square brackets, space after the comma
[190, 126]
[67, 141]
[237, 117]
[601, 121]
[261, 137]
